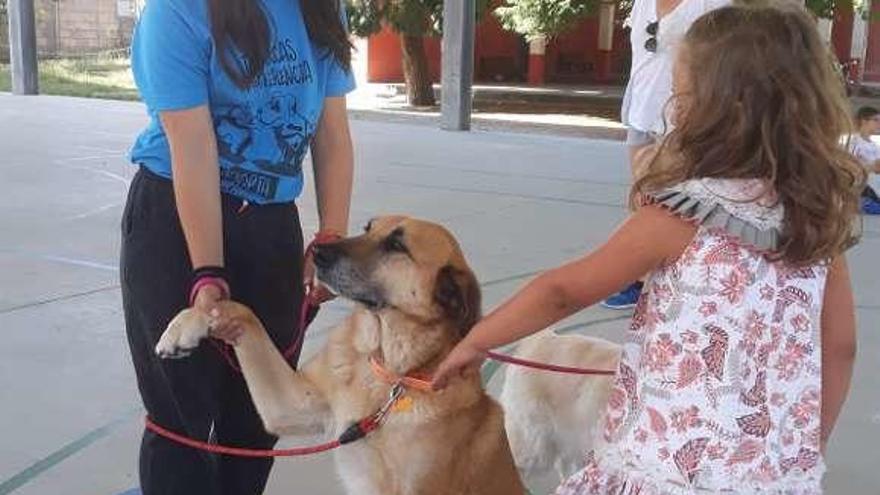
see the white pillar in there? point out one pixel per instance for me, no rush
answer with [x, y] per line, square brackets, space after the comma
[538, 46]
[825, 27]
[859, 38]
[360, 61]
[606, 26]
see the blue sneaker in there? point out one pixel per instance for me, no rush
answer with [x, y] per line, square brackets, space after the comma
[625, 299]
[870, 206]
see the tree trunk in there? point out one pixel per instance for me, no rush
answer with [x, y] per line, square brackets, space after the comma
[419, 87]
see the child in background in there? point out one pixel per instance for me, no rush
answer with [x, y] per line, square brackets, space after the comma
[868, 153]
[741, 350]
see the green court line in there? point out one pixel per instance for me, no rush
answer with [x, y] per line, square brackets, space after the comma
[36, 469]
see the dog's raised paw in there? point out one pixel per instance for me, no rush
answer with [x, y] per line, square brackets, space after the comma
[183, 335]
[172, 353]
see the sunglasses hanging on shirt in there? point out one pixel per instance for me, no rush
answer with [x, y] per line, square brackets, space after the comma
[651, 43]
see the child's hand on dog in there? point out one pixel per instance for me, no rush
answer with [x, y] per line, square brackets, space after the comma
[465, 357]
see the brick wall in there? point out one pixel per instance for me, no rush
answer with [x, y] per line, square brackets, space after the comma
[70, 27]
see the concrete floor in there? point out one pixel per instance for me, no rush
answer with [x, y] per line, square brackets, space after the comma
[70, 416]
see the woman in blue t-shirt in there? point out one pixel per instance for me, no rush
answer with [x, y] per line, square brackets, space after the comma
[237, 92]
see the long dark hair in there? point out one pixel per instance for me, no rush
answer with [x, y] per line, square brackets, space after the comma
[243, 25]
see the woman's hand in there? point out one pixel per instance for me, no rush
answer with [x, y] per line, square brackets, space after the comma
[207, 301]
[333, 165]
[321, 294]
[464, 357]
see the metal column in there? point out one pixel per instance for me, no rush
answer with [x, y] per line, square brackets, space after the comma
[459, 19]
[23, 47]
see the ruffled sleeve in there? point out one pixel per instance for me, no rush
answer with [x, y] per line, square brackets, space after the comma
[741, 208]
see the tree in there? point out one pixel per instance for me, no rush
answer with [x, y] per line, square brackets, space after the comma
[825, 9]
[543, 19]
[412, 20]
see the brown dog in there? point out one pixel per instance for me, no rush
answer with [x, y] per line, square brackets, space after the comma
[417, 297]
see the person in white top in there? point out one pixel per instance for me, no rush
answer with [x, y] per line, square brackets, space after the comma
[657, 28]
[866, 150]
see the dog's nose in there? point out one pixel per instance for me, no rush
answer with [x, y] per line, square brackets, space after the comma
[326, 255]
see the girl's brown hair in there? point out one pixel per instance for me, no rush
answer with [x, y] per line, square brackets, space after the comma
[764, 101]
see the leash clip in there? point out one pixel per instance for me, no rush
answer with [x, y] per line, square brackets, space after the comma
[393, 396]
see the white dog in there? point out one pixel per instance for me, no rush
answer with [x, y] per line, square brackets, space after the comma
[551, 417]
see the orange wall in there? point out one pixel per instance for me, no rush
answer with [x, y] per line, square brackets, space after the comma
[385, 58]
[580, 45]
[497, 51]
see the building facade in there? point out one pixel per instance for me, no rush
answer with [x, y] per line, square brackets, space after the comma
[596, 51]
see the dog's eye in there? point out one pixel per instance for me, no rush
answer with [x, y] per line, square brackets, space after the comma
[395, 244]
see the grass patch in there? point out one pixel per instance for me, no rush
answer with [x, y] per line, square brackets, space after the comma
[87, 77]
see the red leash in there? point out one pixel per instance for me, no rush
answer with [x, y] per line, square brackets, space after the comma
[236, 451]
[353, 433]
[548, 367]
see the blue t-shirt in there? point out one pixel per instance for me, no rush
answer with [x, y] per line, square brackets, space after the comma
[264, 131]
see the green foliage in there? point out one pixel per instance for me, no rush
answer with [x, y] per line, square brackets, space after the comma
[822, 8]
[411, 17]
[415, 17]
[825, 9]
[862, 8]
[364, 17]
[543, 18]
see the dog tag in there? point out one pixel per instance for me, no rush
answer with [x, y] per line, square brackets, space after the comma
[403, 404]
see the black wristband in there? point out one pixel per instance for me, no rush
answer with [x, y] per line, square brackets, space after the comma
[208, 271]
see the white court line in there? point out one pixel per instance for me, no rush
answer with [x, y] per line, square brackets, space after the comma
[93, 157]
[94, 211]
[96, 148]
[78, 262]
[61, 259]
[122, 135]
[99, 171]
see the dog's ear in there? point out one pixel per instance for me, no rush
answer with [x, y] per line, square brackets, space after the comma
[458, 294]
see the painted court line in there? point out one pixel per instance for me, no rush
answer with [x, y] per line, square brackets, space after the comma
[496, 173]
[58, 299]
[36, 469]
[489, 192]
[61, 259]
[79, 262]
[94, 211]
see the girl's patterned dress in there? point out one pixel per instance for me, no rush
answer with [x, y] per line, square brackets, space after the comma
[719, 385]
